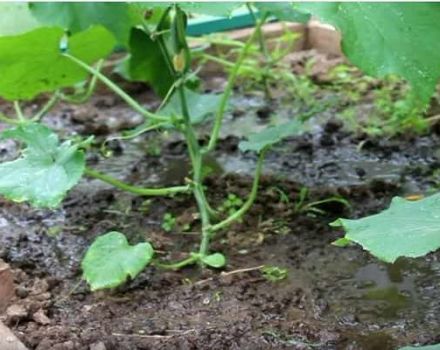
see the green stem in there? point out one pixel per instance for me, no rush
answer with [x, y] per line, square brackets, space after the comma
[224, 62]
[178, 265]
[167, 191]
[265, 52]
[47, 107]
[130, 101]
[7, 120]
[247, 205]
[19, 112]
[229, 87]
[196, 161]
[79, 99]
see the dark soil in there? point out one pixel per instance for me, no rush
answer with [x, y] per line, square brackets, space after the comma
[333, 298]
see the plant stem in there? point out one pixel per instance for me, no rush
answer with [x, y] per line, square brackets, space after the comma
[7, 120]
[265, 52]
[229, 87]
[19, 112]
[46, 108]
[130, 101]
[224, 62]
[167, 191]
[247, 205]
[197, 162]
[79, 99]
[178, 265]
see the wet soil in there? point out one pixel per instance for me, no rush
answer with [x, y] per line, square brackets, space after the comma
[332, 298]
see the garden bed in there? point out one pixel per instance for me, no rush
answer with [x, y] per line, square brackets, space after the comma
[332, 298]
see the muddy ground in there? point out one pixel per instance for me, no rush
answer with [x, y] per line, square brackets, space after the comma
[333, 298]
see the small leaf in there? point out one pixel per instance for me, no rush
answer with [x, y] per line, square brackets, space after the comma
[426, 347]
[341, 242]
[283, 11]
[147, 64]
[116, 17]
[110, 260]
[15, 18]
[216, 260]
[271, 135]
[406, 228]
[199, 105]
[33, 63]
[45, 171]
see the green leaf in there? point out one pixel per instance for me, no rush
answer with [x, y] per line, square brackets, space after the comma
[33, 63]
[217, 9]
[147, 64]
[390, 37]
[116, 17]
[341, 242]
[15, 18]
[216, 260]
[110, 260]
[426, 347]
[199, 105]
[406, 228]
[271, 135]
[283, 11]
[45, 171]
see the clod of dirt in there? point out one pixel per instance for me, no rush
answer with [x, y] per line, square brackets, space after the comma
[40, 317]
[6, 285]
[16, 313]
[98, 346]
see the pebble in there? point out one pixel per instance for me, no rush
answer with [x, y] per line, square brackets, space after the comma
[21, 292]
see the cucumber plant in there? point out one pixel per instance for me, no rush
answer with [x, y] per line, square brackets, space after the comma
[50, 48]
[73, 39]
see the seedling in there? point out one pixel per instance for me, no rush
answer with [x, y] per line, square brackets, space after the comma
[231, 204]
[168, 222]
[274, 273]
[303, 206]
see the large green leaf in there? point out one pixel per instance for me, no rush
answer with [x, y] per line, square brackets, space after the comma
[426, 347]
[284, 11]
[146, 62]
[271, 135]
[45, 171]
[78, 16]
[33, 63]
[390, 37]
[15, 18]
[199, 105]
[110, 260]
[406, 228]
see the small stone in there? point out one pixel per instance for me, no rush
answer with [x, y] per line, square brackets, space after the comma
[16, 313]
[41, 318]
[21, 292]
[98, 346]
